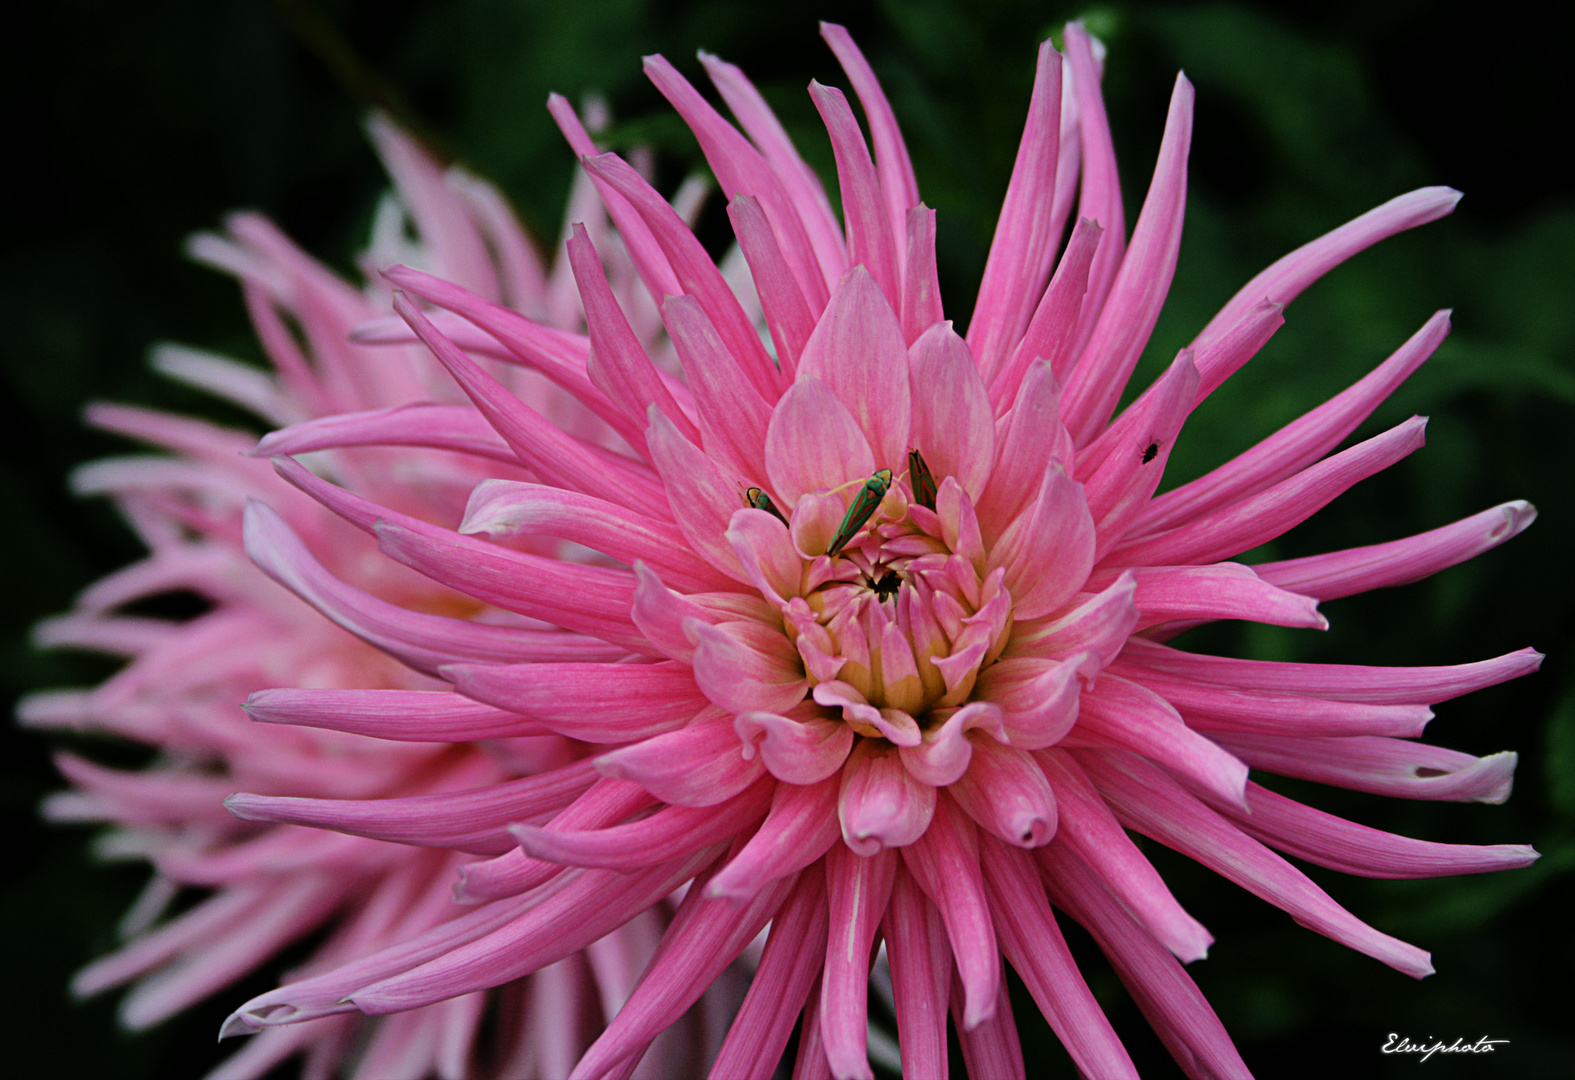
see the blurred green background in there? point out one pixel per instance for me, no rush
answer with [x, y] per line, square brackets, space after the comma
[133, 125]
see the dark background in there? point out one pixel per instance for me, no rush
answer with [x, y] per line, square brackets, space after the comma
[132, 125]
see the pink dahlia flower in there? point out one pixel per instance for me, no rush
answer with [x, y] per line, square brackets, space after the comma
[871, 642]
[269, 885]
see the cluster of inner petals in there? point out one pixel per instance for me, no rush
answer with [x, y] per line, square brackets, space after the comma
[894, 628]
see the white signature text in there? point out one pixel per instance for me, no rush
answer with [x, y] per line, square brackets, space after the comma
[1398, 1044]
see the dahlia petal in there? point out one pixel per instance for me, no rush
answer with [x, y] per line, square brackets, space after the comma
[741, 170]
[794, 953]
[788, 316]
[943, 755]
[744, 667]
[557, 355]
[458, 428]
[504, 508]
[1028, 438]
[798, 179]
[697, 274]
[952, 423]
[921, 963]
[891, 155]
[191, 929]
[1007, 795]
[546, 450]
[583, 908]
[858, 888]
[1330, 841]
[1354, 570]
[1148, 801]
[881, 806]
[796, 750]
[705, 936]
[1026, 232]
[1120, 488]
[872, 243]
[399, 715]
[617, 363]
[133, 798]
[945, 864]
[1211, 708]
[960, 523]
[1038, 698]
[1052, 332]
[1221, 591]
[1101, 625]
[699, 765]
[1171, 1001]
[702, 497]
[921, 287]
[858, 350]
[1032, 943]
[814, 442]
[1127, 318]
[647, 255]
[992, 1048]
[1400, 768]
[178, 433]
[1129, 716]
[1339, 682]
[661, 615]
[607, 802]
[599, 703]
[425, 642]
[670, 833]
[392, 330]
[800, 827]
[733, 415]
[1099, 199]
[1299, 443]
[1285, 280]
[1252, 521]
[1092, 833]
[1048, 551]
[472, 820]
[252, 389]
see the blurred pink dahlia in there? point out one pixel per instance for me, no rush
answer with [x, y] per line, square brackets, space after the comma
[859, 633]
[270, 885]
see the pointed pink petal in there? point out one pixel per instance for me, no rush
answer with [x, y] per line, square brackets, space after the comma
[1127, 715]
[921, 288]
[1028, 438]
[1032, 943]
[857, 891]
[700, 765]
[800, 827]
[459, 428]
[891, 155]
[794, 954]
[744, 667]
[788, 317]
[1402, 769]
[1038, 698]
[1354, 570]
[472, 820]
[1026, 232]
[1252, 521]
[945, 863]
[1101, 624]
[670, 833]
[602, 703]
[858, 350]
[1172, 1002]
[504, 508]
[701, 495]
[1049, 549]
[814, 442]
[991, 1048]
[1148, 801]
[1221, 591]
[1052, 332]
[872, 241]
[1340, 682]
[1099, 199]
[921, 963]
[1092, 832]
[399, 715]
[953, 425]
[733, 415]
[1285, 280]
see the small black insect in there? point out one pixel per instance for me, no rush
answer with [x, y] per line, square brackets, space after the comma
[1149, 454]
